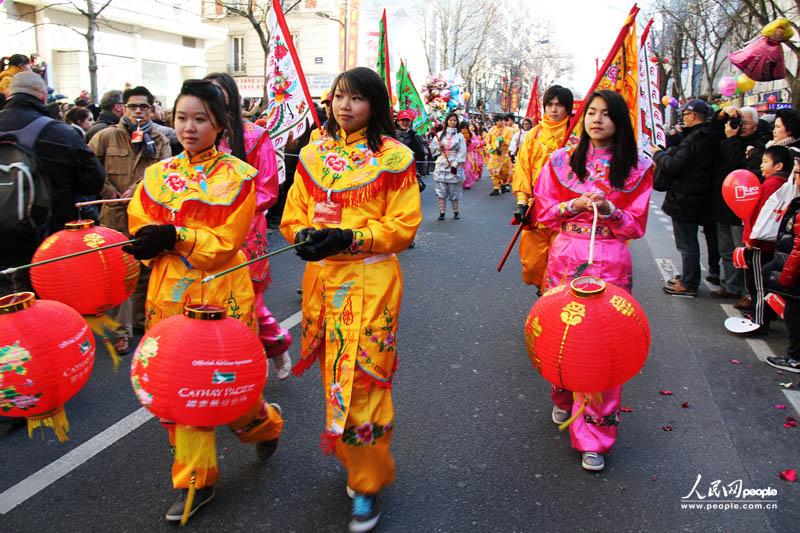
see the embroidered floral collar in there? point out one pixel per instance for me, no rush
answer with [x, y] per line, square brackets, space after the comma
[359, 136]
[201, 157]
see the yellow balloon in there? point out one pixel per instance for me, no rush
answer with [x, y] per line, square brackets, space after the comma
[744, 84]
[466, 95]
[665, 100]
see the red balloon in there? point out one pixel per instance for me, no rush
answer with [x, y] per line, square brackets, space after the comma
[199, 369]
[772, 99]
[653, 59]
[46, 357]
[92, 283]
[740, 190]
[589, 336]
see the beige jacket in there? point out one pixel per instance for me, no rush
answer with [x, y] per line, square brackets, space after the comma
[125, 168]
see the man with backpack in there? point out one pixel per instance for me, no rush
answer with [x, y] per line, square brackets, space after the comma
[44, 165]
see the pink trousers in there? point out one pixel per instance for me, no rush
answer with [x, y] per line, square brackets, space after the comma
[596, 429]
[275, 339]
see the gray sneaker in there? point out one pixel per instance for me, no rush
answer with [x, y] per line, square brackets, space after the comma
[201, 497]
[559, 415]
[784, 363]
[592, 461]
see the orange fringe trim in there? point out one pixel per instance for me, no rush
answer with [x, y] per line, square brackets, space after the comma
[385, 181]
[210, 215]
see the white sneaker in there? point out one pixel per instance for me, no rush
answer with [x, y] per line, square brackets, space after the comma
[559, 415]
[592, 461]
[283, 366]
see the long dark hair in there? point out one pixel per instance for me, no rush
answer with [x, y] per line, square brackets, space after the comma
[625, 155]
[444, 126]
[368, 84]
[236, 139]
[213, 102]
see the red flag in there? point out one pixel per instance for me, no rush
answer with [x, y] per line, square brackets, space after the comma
[534, 111]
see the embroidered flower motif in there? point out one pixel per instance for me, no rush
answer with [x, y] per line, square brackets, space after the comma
[175, 182]
[335, 163]
[364, 433]
[281, 51]
[25, 401]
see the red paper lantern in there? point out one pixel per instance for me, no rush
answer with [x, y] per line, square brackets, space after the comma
[199, 369]
[653, 59]
[741, 190]
[587, 337]
[92, 283]
[46, 357]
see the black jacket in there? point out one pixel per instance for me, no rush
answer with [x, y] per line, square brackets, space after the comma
[410, 138]
[688, 169]
[732, 155]
[64, 159]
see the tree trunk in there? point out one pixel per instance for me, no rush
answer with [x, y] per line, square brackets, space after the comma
[90, 31]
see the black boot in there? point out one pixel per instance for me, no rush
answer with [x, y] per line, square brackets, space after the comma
[441, 216]
[495, 192]
[456, 215]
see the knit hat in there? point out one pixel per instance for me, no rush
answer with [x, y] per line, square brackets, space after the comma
[28, 83]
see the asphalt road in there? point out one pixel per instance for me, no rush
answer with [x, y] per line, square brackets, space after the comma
[474, 444]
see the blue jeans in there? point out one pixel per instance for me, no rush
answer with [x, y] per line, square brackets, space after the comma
[730, 237]
[689, 248]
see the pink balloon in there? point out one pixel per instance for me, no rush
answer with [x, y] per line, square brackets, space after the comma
[727, 86]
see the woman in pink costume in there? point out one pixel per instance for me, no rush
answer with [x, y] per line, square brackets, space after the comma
[256, 148]
[604, 169]
[475, 147]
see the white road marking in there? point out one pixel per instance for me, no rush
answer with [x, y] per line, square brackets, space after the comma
[794, 398]
[663, 219]
[33, 484]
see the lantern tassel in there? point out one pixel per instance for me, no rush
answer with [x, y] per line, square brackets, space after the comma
[104, 326]
[578, 413]
[54, 419]
[189, 500]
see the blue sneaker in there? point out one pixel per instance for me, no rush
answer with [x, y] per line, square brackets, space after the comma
[365, 513]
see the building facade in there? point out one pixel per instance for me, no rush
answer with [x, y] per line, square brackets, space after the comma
[155, 43]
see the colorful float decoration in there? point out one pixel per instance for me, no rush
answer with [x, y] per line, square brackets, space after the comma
[92, 283]
[587, 337]
[762, 58]
[46, 357]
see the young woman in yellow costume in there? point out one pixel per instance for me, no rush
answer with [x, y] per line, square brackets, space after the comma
[543, 140]
[498, 161]
[190, 216]
[355, 202]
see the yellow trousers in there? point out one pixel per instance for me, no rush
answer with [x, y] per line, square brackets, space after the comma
[260, 423]
[499, 167]
[534, 246]
[363, 449]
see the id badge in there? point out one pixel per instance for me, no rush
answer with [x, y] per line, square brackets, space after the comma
[137, 136]
[327, 212]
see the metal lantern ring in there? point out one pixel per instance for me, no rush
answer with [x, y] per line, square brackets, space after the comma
[46, 357]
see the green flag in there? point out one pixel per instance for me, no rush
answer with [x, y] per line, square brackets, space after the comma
[408, 98]
[383, 57]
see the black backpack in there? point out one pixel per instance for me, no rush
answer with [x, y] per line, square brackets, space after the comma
[25, 197]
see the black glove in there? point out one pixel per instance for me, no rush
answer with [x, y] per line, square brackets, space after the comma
[453, 170]
[302, 235]
[520, 212]
[325, 242]
[151, 241]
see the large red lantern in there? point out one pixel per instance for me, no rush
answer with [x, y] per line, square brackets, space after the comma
[92, 283]
[199, 369]
[46, 357]
[587, 337]
[741, 190]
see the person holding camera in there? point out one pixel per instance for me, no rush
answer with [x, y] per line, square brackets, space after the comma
[741, 146]
[685, 172]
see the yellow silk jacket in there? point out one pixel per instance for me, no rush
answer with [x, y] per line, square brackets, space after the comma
[351, 301]
[541, 141]
[211, 201]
